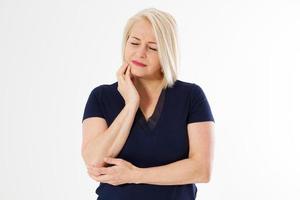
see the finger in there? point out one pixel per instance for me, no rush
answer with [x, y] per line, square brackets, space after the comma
[104, 170]
[122, 69]
[126, 69]
[132, 78]
[103, 178]
[127, 75]
[95, 177]
[93, 172]
[120, 78]
[97, 170]
[96, 164]
[131, 75]
[111, 160]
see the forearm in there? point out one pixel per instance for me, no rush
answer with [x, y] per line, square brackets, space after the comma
[181, 172]
[121, 131]
[110, 143]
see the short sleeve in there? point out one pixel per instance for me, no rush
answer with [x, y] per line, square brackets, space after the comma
[94, 105]
[199, 108]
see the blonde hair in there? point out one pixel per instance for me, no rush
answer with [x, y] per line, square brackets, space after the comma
[165, 30]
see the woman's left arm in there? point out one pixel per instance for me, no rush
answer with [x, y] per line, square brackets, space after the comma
[195, 169]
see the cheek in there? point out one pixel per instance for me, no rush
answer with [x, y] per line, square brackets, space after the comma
[155, 62]
[128, 53]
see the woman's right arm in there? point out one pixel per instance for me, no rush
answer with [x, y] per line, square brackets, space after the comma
[100, 141]
[109, 142]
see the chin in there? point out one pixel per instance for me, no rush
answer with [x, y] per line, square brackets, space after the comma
[137, 72]
[138, 75]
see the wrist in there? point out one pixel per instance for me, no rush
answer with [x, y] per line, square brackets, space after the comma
[132, 106]
[137, 175]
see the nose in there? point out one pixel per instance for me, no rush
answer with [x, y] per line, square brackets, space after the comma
[141, 51]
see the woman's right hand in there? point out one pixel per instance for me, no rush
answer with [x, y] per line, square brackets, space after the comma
[126, 86]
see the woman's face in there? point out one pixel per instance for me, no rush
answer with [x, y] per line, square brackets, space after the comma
[141, 47]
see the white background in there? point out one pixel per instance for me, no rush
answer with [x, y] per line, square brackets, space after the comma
[244, 54]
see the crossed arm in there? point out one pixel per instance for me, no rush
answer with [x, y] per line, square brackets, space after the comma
[194, 169]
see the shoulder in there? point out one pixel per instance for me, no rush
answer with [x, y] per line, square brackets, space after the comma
[104, 88]
[192, 91]
[188, 87]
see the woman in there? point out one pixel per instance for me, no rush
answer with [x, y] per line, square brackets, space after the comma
[148, 135]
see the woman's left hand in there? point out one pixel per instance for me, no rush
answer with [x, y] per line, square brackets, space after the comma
[122, 172]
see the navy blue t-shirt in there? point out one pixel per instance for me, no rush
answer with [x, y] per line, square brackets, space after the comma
[160, 140]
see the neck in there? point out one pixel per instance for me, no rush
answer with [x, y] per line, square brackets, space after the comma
[147, 87]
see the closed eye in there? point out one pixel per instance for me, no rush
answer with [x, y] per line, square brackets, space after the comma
[149, 47]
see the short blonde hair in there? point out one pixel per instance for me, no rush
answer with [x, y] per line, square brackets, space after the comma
[165, 30]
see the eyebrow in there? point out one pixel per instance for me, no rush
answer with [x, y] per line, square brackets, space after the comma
[140, 39]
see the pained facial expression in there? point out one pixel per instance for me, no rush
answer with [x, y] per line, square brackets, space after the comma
[141, 47]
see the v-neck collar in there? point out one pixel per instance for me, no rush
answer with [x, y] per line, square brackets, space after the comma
[154, 118]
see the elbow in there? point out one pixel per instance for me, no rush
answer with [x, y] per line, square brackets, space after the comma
[90, 159]
[203, 175]
[202, 171]
[86, 158]
[203, 178]
[206, 179]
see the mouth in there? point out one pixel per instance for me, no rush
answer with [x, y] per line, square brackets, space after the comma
[138, 63]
